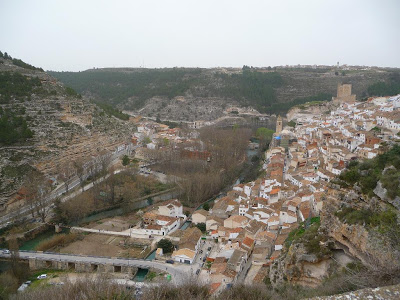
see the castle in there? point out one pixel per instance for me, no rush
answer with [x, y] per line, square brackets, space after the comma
[344, 94]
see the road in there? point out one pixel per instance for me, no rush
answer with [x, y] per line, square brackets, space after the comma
[126, 233]
[180, 273]
[60, 190]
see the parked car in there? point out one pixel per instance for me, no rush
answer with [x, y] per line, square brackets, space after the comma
[209, 249]
[6, 251]
[204, 259]
[198, 271]
[43, 276]
[170, 261]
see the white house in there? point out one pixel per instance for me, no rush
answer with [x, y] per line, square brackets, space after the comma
[172, 208]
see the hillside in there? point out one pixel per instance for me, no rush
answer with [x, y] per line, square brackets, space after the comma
[205, 94]
[44, 124]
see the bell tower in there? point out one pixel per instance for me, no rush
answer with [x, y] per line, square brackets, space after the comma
[278, 124]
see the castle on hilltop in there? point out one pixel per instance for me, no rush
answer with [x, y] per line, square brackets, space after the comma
[344, 94]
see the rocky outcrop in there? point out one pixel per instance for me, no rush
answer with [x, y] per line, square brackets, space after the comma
[368, 245]
[299, 267]
[381, 192]
[306, 110]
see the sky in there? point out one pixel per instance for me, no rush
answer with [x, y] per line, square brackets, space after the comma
[72, 35]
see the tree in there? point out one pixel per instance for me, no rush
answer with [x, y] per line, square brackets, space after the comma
[125, 160]
[166, 245]
[265, 136]
[291, 123]
[264, 133]
[41, 203]
[202, 227]
[31, 184]
[146, 140]
[80, 171]
[104, 161]
[16, 267]
[206, 206]
[66, 173]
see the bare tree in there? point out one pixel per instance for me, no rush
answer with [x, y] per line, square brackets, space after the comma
[104, 160]
[41, 205]
[80, 171]
[66, 173]
[31, 184]
[16, 268]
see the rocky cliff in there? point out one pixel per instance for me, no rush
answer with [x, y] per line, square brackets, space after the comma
[65, 127]
[354, 229]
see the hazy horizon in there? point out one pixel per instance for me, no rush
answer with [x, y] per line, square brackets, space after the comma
[80, 35]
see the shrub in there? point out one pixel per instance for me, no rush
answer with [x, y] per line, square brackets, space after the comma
[202, 227]
[166, 245]
[57, 240]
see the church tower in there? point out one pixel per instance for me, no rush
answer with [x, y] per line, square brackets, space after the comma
[278, 125]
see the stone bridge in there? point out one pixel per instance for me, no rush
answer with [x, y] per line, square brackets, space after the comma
[48, 260]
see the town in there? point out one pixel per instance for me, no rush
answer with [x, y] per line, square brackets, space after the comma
[245, 230]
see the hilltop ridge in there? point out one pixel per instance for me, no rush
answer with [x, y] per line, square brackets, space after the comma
[188, 94]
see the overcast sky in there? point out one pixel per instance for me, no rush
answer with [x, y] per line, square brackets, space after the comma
[78, 35]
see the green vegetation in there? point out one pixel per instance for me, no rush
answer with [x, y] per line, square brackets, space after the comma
[265, 134]
[125, 160]
[19, 62]
[367, 174]
[251, 88]
[392, 87]
[291, 123]
[283, 108]
[13, 128]
[202, 227]
[151, 275]
[71, 92]
[24, 65]
[206, 206]
[110, 111]
[384, 222]
[166, 245]
[15, 85]
[116, 87]
[308, 234]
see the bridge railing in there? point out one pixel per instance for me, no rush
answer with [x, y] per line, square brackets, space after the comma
[79, 255]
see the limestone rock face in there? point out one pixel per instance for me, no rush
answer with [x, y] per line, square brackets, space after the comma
[299, 267]
[381, 192]
[369, 246]
[298, 111]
